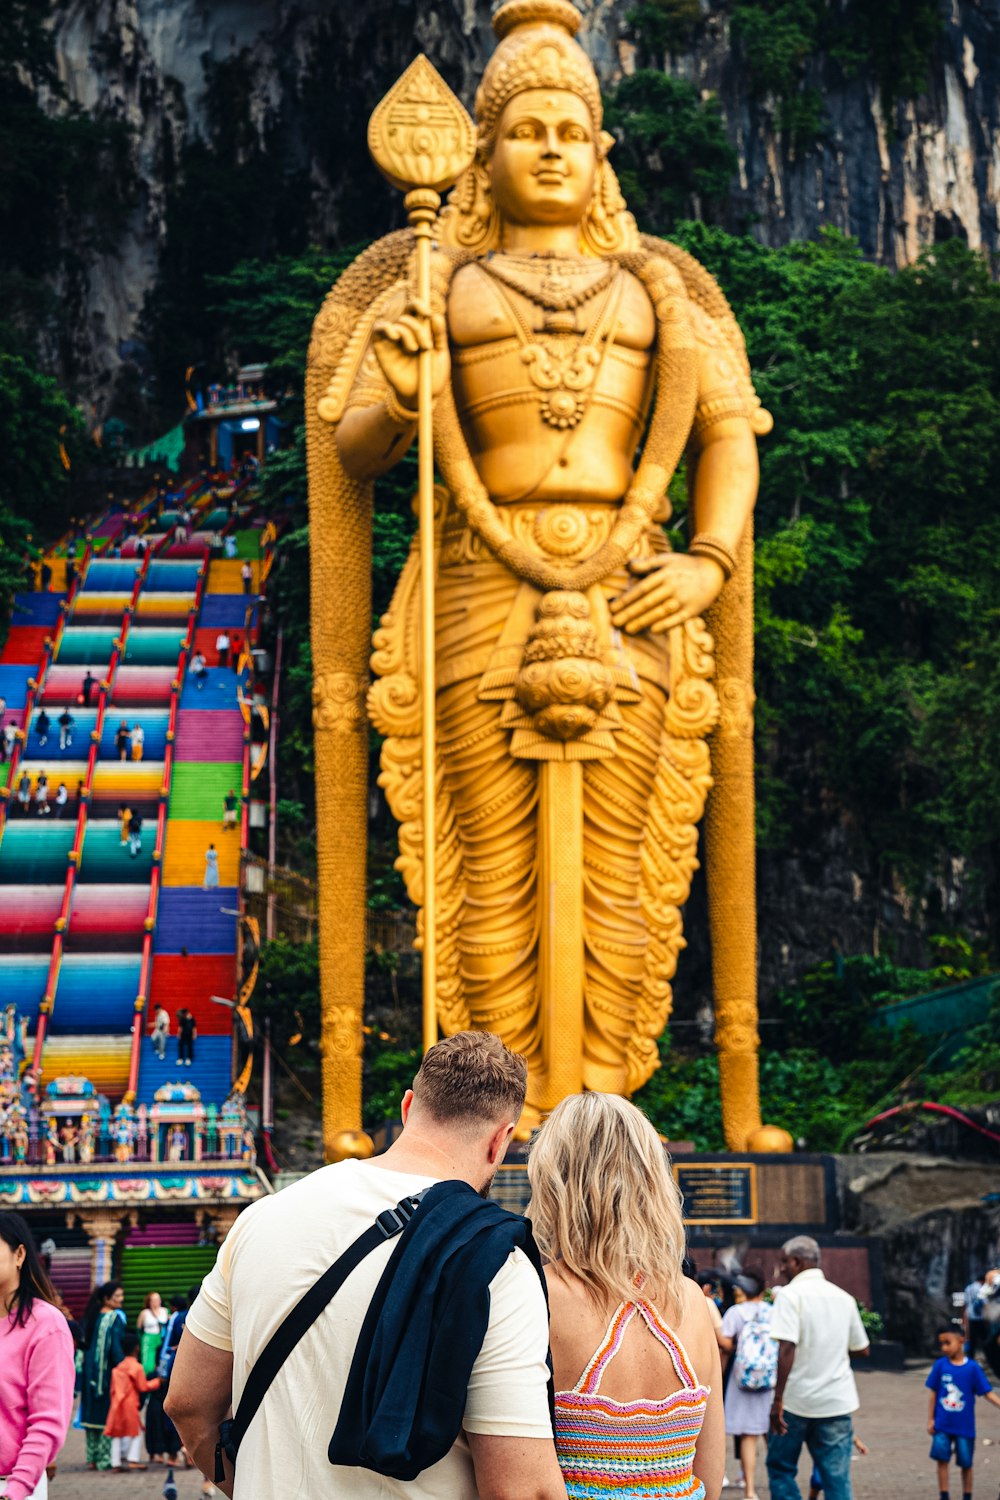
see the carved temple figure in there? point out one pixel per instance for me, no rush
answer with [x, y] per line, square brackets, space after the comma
[86, 1141]
[69, 1139]
[593, 687]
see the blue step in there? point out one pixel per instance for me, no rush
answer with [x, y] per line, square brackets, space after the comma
[166, 577]
[96, 993]
[185, 920]
[211, 1071]
[112, 575]
[223, 610]
[22, 981]
[14, 684]
[219, 690]
[37, 609]
[154, 725]
[79, 747]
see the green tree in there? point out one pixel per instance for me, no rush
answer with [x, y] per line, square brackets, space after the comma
[288, 983]
[878, 562]
[673, 158]
[662, 26]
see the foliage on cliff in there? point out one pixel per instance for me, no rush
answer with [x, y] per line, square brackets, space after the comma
[65, 185]
[783, 46]
[672, 157]
[780, 39]
[63, 192]
[827, 1066]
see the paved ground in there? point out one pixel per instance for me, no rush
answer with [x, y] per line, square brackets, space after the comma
[892, 1422]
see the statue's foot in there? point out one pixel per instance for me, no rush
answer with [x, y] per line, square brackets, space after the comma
[770, 1138]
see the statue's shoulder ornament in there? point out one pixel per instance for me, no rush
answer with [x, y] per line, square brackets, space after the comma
[717, 335]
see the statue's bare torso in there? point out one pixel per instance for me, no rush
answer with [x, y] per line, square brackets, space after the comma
[488, 325]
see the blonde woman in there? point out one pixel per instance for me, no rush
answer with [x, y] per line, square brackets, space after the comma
[634, 1354]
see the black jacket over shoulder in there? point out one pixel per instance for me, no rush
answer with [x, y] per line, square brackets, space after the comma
[406, 1391]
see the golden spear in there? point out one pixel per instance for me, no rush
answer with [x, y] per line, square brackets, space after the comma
[421, 138]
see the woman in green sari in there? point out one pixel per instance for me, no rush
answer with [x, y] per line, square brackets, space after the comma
[150, 1324]
[102, 1331]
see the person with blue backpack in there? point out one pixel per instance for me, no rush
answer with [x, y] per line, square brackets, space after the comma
[745, 1336]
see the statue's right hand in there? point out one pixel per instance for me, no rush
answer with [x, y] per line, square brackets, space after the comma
[397, 343]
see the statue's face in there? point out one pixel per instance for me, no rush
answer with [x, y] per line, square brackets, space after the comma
[544, 161]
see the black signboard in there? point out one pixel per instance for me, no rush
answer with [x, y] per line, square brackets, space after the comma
[718, 1192]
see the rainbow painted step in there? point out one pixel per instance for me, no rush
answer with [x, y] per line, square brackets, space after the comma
[35, 853]
[104, 861]
[198, 788]
[95, 994]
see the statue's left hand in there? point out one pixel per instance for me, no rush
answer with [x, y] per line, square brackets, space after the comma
[668, 590]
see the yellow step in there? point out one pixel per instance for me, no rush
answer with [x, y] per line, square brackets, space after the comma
[224, 576]
[184, 855]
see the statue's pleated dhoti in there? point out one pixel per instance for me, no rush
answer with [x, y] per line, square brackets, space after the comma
[562, 867]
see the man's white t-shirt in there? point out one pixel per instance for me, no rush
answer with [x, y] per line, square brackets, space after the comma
[277, 1249]
[823, 1322]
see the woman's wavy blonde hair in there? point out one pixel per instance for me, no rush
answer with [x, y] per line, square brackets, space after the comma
[604, 1204]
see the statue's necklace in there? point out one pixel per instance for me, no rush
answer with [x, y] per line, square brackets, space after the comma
[554, 289]
[564, 377]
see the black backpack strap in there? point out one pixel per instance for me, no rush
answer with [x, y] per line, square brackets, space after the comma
[301, 1318]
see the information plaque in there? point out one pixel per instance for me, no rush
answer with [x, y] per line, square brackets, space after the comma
[718, 1192]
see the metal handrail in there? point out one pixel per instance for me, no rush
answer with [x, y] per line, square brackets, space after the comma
[47, 1004]
[156, 878]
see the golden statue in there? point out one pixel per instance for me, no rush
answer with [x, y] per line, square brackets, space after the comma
[582, 711]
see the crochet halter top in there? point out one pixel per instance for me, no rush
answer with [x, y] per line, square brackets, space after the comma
[641, 1449]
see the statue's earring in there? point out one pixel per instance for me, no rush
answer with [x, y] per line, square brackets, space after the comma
[608, 228]
[470, 220]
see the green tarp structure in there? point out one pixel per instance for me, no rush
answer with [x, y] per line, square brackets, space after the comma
[944, 1014]
[166, 451]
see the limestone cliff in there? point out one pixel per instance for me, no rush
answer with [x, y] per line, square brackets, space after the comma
[309, 71]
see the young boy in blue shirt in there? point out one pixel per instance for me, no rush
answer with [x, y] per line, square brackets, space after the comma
[954, 1383]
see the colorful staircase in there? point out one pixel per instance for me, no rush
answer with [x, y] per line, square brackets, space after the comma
[93, 935]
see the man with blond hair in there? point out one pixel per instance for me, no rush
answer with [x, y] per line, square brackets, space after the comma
[458, 1119]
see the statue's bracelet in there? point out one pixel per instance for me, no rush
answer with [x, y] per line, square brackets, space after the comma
[710, 546]
[396, 411]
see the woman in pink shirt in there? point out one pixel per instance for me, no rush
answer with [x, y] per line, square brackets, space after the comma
[36, 1366]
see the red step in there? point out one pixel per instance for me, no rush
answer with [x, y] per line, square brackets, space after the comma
[25, 644]
[191, 981]
[205, 638]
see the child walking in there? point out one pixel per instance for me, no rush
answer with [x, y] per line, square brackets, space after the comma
[128, 1382]
[954, 1383]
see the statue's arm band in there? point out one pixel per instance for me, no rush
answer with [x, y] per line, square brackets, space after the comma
[365, 393]
[719, 409]
[396, 411]
[710, 546]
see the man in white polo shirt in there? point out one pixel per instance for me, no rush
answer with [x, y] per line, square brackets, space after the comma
[458, 1119]
[818, 1328]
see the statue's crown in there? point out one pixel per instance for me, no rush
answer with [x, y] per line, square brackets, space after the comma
[533, 13]
[537, 51]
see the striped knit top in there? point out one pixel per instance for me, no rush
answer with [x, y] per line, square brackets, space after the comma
[634, 1450]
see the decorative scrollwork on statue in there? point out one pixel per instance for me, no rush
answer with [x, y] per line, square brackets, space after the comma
[339, 702]
[736, 704]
